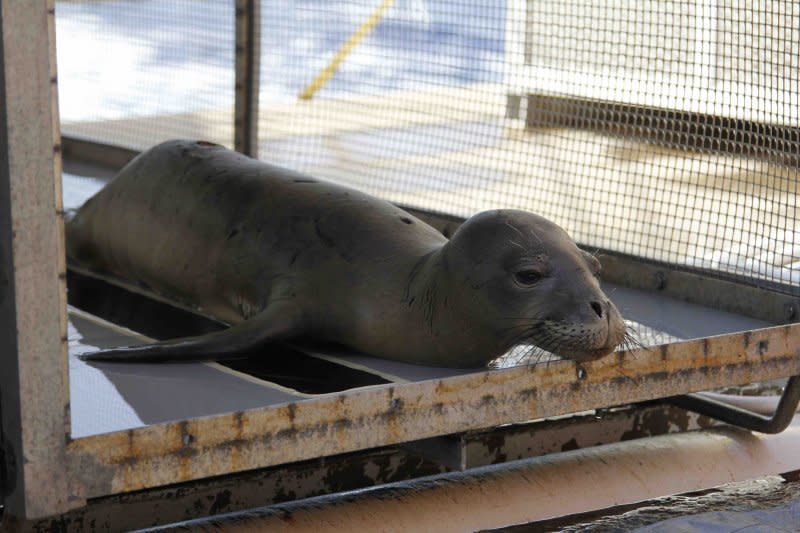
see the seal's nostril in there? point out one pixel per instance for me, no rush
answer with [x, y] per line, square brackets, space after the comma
[597, 307]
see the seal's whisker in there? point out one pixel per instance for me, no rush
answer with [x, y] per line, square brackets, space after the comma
[523, 358]
[523, 339]
[519, 326]
[534, 355]
[540, 352]
[630, 344]
[524, 332]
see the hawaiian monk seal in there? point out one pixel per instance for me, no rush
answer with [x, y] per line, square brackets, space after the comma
[280, 255]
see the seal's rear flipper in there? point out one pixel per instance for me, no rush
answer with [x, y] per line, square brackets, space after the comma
[271, 325]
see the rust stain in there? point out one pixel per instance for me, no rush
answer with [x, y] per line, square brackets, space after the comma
[341, 428]
[442, 387]
[529, 394]
[238, 424]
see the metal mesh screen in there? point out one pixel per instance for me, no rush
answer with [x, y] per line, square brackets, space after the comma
[133, 73]
[666, 130]
[410, 112]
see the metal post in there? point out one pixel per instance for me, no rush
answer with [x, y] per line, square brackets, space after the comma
[248, 59]
[33, 350]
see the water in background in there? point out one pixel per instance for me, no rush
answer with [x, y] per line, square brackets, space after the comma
[119, 59]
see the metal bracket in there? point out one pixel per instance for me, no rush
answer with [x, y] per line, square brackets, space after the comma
[743, 418]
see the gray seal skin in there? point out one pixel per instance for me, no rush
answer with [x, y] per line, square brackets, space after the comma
[279, 256]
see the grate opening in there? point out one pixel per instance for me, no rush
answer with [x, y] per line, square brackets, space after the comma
[283, 365]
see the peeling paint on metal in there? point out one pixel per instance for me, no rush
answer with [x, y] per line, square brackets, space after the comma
[381, 415]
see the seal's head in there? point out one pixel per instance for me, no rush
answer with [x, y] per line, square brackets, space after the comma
[527, 282]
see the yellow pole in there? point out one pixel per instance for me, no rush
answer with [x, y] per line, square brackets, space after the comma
[355, 38]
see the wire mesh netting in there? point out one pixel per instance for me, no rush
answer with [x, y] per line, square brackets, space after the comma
[666, 130]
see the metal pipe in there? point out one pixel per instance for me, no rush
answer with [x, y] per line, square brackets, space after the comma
[743, 418]
[765, 405]
[533, 489]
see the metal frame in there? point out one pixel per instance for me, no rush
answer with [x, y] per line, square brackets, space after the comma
[176, 321]
[743, 418]
[33, 349]
[532, 490]
[388, 414]
[370, 468]
[391, 414]
[47, 472]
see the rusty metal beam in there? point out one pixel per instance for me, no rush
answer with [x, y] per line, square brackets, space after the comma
[358, 470]
[33, 349]
[240, 492]
[385, 414]
[603, 426]
[520, 441]
[524, 491]
[248, 59]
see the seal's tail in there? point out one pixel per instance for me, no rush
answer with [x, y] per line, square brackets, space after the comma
[271, 325]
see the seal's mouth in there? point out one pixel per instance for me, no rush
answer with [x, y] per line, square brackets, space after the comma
[579, 342]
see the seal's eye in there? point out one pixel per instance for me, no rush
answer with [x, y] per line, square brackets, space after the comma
[528, 277]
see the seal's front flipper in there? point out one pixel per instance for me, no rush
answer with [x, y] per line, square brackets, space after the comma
[271, 325]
